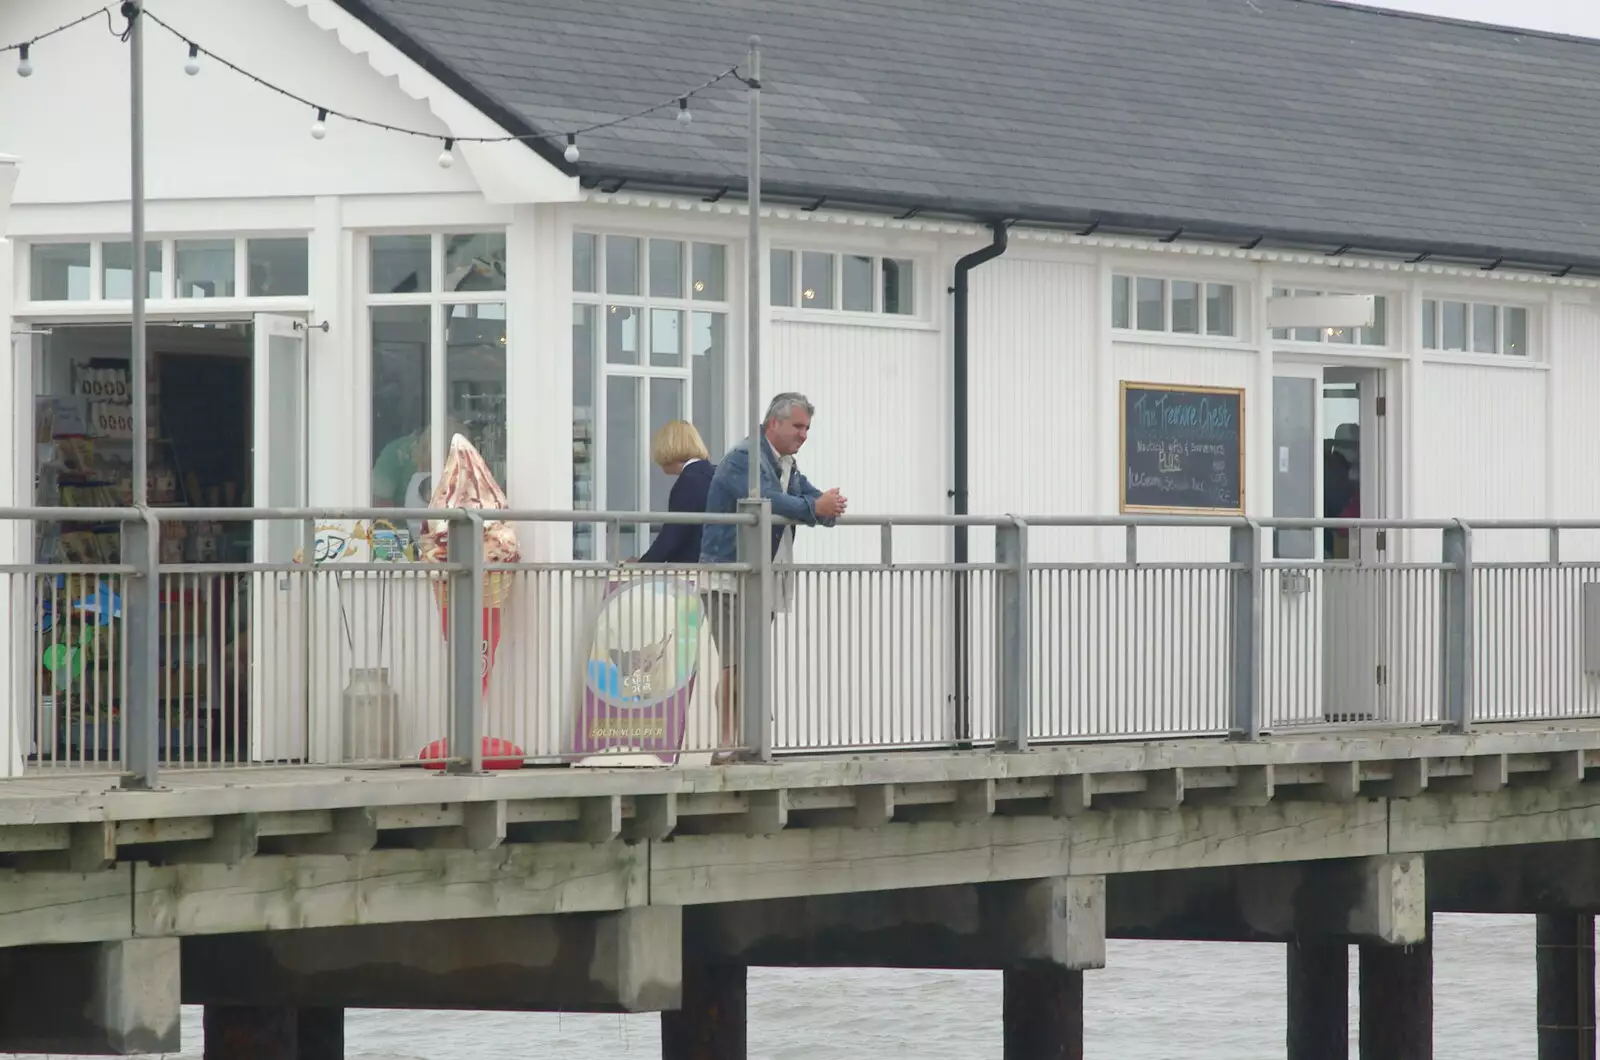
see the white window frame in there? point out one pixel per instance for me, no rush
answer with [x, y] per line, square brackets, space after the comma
[1132, 332]
[1325, 339]
[1432, 305]
[439, 302]
[920, 309]
[166, 298]
[643, 303]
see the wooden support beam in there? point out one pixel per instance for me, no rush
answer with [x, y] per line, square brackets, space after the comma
[1253, 787]
[1341, 782]
[1489, 774]
[483, 824]
[1567, 769]
[1163, 790]
[974, 800]
[233, 838]
[353, 831]
[1071, 794]
[874, 805]
[768, 812]
[600, 818]
[654, 817]
[91, 847]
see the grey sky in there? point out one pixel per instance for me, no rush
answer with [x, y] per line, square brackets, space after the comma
[1580, 17]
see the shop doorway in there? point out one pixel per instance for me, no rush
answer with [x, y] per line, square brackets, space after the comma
[1330, 425]
[226, 431]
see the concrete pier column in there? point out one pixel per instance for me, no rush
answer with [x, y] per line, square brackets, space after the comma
[1565, 962]
[93, 998]
[1319, 999]
[1043, 1013]
[711, 1024]
[1397, 1001]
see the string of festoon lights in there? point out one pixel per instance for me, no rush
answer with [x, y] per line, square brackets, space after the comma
[322, 113]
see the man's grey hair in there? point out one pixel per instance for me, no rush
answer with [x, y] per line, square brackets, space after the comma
[783, 406]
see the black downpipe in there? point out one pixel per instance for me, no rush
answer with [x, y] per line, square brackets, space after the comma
[960, 492]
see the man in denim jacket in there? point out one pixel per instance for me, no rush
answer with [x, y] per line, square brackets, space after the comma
[793, 497]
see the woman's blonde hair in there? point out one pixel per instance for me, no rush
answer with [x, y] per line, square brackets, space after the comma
[677, 442]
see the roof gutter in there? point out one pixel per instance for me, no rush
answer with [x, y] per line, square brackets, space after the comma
[960, 414]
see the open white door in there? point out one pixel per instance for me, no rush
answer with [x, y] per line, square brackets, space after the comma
[278, 636]
[1354, 613]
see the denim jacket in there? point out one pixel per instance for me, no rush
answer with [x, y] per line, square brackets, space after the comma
[732, 483]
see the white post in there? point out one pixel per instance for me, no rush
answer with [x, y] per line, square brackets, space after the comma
[753, 268]
[15, 454]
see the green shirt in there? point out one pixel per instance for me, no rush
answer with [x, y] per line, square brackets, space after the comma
[392, 472]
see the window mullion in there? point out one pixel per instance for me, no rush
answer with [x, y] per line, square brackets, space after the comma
[436, 395]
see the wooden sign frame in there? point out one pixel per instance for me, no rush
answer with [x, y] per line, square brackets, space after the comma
[1122, 447]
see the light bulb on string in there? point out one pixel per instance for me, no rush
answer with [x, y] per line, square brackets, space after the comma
[24, 64]
[192, 66]
[571, 153]
[319, 128]
[446, 159]
[684, 114]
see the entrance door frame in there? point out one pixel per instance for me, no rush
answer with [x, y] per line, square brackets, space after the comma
[1377, 378]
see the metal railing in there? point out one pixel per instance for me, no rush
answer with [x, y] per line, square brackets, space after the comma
[1076, 629]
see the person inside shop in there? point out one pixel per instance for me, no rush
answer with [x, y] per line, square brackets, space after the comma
[402, 473]
[679, 451]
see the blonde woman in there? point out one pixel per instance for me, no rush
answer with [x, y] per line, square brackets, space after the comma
[678, 450]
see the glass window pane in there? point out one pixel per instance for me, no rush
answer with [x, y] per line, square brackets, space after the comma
[1219, 309]
[624, 452]
[1454, 316]
[116, 270]
[1151, 298]
[583, 413]
[1280, 334]
[898, 296]
[1307, 334]
[666, 268]
[622, 334]
[709, 382]
[781, 279]
[60, 272]
[1121, 288]
[401, 264]
[1378, 333]
[278, 267]
[1186, 307]
[816, 280]
[666, 405]
[475, 380]
[857, 276]
[1485, 328]
[583, 251]
[666, 338]
[710, 272]
[1430, 324]
[1516, 338]
[205, 268]
[401, 445]
[622, 265]
[475, 262]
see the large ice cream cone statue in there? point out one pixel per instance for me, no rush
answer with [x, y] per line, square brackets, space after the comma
[468, 483]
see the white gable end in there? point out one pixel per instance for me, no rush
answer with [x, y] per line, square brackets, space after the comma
[219, 135]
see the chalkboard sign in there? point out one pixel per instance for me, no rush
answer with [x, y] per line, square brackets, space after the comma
[1182, 449]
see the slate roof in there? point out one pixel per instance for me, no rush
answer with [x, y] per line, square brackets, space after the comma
[1311, 121]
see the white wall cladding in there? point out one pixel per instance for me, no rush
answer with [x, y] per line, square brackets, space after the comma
[1483, 453]
[844, 671]
[1034, 398]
